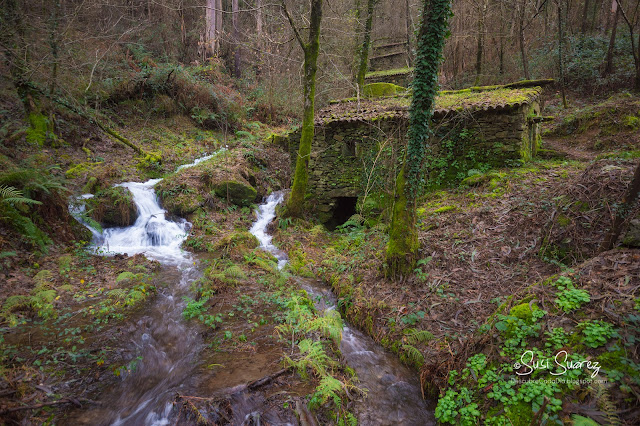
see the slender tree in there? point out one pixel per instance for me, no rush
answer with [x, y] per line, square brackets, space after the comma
[481, 32]
[403, 235]
[363, 64]
[311, 48]
[631, 23]
[561, 54]
[235, 11]
[613, 18]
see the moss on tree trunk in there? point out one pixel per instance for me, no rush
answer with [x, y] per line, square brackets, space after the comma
[311, 50]
[403, 239]
[403, 234]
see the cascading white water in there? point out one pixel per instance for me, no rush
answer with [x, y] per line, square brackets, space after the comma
[167, 347]
[393, 387]
[265, 213]
[151, 234]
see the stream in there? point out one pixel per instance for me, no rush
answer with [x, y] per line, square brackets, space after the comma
[167, 349]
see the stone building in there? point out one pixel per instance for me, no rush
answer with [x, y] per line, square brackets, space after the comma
[358, 145]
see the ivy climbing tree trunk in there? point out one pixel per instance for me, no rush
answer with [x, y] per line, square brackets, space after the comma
[311, 49]
[363, 64]
[403, 234]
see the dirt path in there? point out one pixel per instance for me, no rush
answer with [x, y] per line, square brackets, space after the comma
[571, 152]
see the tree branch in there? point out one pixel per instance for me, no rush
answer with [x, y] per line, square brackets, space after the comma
[293, 25]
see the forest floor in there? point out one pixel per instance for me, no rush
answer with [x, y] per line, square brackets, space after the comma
[508, 263]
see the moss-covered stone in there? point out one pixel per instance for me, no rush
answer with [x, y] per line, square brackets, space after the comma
[377, 90]
[113, 207]
[237, 192]
[235, 245]
[524, 311]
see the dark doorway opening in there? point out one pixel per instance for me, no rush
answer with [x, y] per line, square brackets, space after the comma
[345, 208]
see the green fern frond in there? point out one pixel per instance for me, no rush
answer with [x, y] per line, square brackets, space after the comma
[328, 388]
[118, 293]
[11, 195]
[330, 325]
[601, 394]
[413, 336]
[43, 280]
[315, 354]
[412, 355]
[235, 272]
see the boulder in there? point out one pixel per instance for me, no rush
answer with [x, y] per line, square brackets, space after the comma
[113, 207]
[236, 191]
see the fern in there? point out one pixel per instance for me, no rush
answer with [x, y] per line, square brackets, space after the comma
[313, 356]
[235, 272]
[330, 325]
[328, 389]
[601, 394]
[10, 195]
[43, 280]
[118, 293]
[412, 355]
[414, 337]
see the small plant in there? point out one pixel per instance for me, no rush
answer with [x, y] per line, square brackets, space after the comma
[413, 318]
[569, 297]
[596, 333]
[194, 308]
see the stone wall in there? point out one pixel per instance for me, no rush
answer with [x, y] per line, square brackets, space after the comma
[358, 159]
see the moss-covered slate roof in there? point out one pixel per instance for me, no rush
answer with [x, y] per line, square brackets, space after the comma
[474, 99]
[388, 73]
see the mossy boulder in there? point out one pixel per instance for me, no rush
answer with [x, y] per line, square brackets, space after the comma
[236, 191]
[235, 245]
[182, 204]
[376, 90]
[113, 207]
[524, 311]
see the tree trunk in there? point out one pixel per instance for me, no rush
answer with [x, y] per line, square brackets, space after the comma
[560, 54]
[409, 32]
[219, 23]
[403, 235]
[628, 200]
[53, 43]
[363, 65]
[636, 54]
[585, 16]
[236, 39]
[523, 52]
[311, 50]
[211, 30]
[615, 13]
[480, 46]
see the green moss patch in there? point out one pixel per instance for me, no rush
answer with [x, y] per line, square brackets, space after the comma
[377, 90]
[237, 192]
[113, 207]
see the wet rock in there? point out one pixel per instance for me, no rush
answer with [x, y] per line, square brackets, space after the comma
[113, 207]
